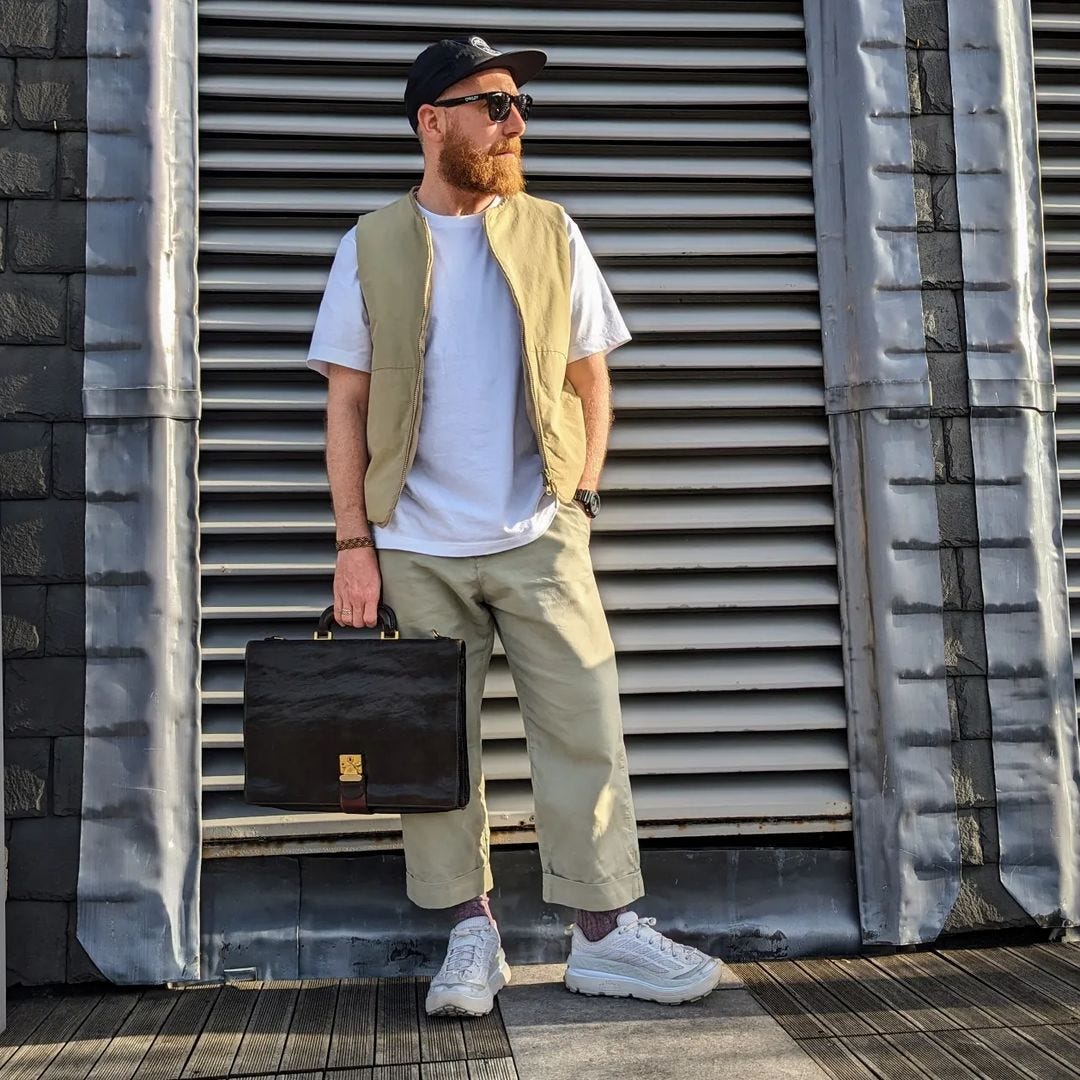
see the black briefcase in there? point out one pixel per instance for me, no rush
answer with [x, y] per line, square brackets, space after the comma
[361, 724]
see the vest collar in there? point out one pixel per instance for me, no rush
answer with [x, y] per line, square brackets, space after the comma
[491, 211]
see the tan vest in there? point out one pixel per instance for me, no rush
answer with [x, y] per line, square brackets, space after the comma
[528, 239]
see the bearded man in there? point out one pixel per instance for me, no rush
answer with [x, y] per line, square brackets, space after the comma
[463, 332]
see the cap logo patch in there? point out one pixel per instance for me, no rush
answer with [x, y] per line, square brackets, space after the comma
[480, 43]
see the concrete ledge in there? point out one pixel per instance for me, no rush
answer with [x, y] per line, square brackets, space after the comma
[557, 1035]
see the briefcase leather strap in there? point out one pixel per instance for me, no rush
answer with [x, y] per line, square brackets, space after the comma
[352, 784]
[353, 796]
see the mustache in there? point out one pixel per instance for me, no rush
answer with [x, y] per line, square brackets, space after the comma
[512, 146]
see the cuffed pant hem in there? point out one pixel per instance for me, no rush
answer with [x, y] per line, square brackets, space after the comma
[601, 897]
[444, 894]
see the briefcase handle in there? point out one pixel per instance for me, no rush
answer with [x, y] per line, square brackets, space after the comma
[387, 622]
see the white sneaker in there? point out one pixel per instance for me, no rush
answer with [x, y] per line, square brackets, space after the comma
[474, 971]
[635, 960]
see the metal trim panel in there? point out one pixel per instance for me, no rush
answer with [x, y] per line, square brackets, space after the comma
[906, 836]
[1024, 574]
[140, 855]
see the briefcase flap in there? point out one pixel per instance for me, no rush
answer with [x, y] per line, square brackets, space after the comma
[393, 709]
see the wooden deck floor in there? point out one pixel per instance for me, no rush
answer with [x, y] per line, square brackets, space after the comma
[1001, 1013]
[311, 1029]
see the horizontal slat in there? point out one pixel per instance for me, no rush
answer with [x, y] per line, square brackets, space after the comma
[655, 632]
[226, 599]
[336, 48]
[642, 714]
[656, 673]
[673, 355]
[605, 244]
[786, 510]
[676, 317]
[292, 197]
[504, 18]
[630, 395]
[761, 797]
[654, 281]
[561, 94]
[588, 131]
[621, 476]
[669, 436]
[688, 755]
[300, 558]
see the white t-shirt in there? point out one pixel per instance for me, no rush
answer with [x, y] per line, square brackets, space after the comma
[475, 485]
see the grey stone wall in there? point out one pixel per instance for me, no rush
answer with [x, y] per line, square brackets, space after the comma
[42, 437]
[983, 901]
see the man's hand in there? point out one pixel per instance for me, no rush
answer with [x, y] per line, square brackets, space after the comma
[357, 587]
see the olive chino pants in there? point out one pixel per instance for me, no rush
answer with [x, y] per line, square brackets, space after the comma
[542, 598]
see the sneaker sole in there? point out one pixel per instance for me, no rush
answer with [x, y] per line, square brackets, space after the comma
[455, 1003]
[604, 984]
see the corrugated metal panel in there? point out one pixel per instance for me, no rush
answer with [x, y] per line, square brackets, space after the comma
[1056, 33]
[679, 139]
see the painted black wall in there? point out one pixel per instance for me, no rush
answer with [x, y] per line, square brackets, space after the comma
[42, 436]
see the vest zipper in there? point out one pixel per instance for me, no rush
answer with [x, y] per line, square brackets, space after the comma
[410, 450]
[534, 413]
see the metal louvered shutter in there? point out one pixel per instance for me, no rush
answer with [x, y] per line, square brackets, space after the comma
[1056, 32]
[678, 138]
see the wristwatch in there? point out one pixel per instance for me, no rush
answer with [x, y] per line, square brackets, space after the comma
[590, 501]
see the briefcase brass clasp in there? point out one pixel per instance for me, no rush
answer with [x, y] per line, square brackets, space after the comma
[350, 766]
[389, 635]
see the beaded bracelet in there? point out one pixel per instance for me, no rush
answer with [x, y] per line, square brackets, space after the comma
[355, 542]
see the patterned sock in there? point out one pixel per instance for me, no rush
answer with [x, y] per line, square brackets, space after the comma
[597, 924]
[478, 905]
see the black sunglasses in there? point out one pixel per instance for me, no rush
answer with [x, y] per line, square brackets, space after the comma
[498, 103]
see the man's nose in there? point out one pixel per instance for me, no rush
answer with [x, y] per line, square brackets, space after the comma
[513, 125]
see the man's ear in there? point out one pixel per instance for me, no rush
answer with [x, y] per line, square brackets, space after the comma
[429, 122]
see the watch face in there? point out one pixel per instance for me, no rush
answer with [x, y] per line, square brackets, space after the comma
[590, 502]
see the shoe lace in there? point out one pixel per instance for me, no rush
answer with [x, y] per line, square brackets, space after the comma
[642, 929]
[463, 952]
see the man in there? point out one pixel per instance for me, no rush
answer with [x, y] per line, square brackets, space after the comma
[463, 331]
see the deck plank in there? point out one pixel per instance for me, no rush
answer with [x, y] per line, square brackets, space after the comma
[352, 1043]
[93, 1035]
[485, 1036]
[444, 1070]
[897, 995]
[121, 1058]
[912, 970]
[857, 997]
[397, 1030]
[307, 1045]
[215, 1049]
[980, 964]
[974, 991]
[783, 1007]
[818, 1000]
[24, 1018]
[441, 1037]
[492, 1069]
[172, 1046]
[1011, 1047]
[1041, 980]
[263, 1039]
[883, 1057]
[35, 1055]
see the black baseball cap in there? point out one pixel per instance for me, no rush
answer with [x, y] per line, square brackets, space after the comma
[450, 60]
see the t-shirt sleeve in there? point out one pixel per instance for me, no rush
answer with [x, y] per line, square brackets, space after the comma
[595, 323]
[341, 334]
